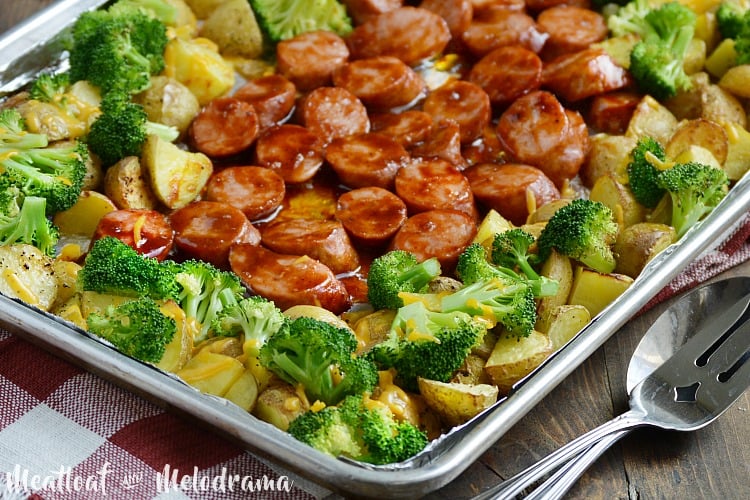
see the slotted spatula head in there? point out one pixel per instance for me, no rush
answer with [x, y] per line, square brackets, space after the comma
[703, 378]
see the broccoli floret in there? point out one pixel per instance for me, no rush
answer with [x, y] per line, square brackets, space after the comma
[283, 20]
[117, 50]
[643, 173]
[736, 21]
[320, 357]
[161, 10]
[427, 344]
[137, 328]
[26, 161]
[398, 271]
[583, 230]
[511, 249]
[50, 88]
[24, 220]
[695, 189]
[656, 61]
[657, 66]
[731, 18]
[360, 429]
[494, 302]
[122, 128]
[253, 317]
[630, 18]
[473, 266]
[204, 291]
[113, 267]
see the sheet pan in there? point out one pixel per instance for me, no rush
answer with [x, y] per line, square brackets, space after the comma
[36, 44]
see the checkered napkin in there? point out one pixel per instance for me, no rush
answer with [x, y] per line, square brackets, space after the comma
[60, 423]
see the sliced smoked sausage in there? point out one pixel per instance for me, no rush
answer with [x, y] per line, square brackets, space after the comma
[361, 10]
[292, 151]
[407, 127]
[457, 13]
[537, 130]
[324, 240]
[409, 33]
[331, 112]
[257, 191]
[206, 230]
[381, 82]
[462, 101]
[583, 74]
[570, 29]
[610, 113]
[309, 59]
[505, 27]
[366, 159]
[507, 73]
[288, 280]
[434, 184]
[371, 215]
[511, 188]
[272, 96]
[224, 127]
[444, 142]
[436, 233]
[147, 231]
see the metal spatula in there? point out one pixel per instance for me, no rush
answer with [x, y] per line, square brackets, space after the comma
[689, 391]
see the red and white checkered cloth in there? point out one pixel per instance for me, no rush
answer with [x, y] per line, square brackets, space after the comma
[60, 422]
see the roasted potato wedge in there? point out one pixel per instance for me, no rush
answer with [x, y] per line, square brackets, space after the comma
[210, 372]
[492, 224]
[197, 64]
[457, 403]
[203, 8]
[738, 153]
[546, 211]
[244, 391]
[595, 291]
[28, 274]
[513, 358]
[618, 197]
[232, 25]
[83, 217]
[557, 267]
[565, 322]
[279, 404]
[169, 102]
[126, 183]
[653, 119]
[316, 312]
[180, 348]
[472, 371]
[699, 132]
[176, 176]
[66, 273]
[735, 81]
[373, 329]
[636, 245]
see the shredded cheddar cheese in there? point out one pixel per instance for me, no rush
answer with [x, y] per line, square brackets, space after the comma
[22, 291]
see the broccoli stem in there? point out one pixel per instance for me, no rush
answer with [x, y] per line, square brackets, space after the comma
[420, 275]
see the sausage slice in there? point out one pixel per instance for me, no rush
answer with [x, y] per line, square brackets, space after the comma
[288, 280]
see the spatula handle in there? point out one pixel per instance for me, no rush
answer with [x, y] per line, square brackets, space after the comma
[566, 476]
[513, 486]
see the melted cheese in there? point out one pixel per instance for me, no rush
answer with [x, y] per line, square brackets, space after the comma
[19, 288]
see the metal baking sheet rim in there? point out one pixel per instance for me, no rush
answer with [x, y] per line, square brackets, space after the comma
[444, 459]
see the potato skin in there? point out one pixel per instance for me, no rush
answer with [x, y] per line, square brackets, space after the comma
[126, 184]
[169, 102]
[638, 244]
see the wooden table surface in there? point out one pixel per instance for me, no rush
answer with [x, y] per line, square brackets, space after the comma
[712, 463]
